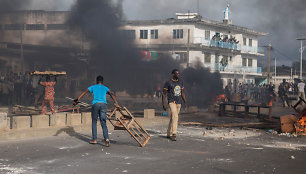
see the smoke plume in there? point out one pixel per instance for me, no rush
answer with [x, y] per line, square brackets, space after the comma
[117, 59]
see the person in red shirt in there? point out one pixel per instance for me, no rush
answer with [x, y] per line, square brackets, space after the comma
[49, 94]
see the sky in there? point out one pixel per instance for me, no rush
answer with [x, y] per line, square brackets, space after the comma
[283, 20]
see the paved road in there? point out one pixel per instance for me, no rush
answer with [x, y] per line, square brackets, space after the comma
[240, 151]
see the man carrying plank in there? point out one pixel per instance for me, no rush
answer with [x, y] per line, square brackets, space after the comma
[99, 107]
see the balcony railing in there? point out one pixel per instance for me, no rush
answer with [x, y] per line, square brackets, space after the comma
[227, 45]
[232, 68]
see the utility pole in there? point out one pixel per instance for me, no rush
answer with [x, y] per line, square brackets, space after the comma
[198, 7]
[301, 51]
[269, 62]
[274, 70]
[188, 47]
[21, 52]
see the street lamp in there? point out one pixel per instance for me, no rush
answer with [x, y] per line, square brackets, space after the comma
[301, 50]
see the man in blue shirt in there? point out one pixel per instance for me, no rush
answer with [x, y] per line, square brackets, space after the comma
[99, 107]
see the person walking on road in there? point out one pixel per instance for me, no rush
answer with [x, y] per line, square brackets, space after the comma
[174, 89]
[301, 87]
[49, 94]
[99, 108]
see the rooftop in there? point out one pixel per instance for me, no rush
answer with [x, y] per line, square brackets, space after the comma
[196, 20]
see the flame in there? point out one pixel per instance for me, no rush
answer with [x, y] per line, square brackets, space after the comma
[300, 126]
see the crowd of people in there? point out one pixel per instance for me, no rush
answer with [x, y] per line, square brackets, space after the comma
[250, 92]
[263, 93]
[15, 88]
[225, 38]
[24, 89]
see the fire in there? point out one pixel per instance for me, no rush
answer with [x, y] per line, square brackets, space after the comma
[300, 125]
[221, 98]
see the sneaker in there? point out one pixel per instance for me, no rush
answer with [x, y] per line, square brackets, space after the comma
[93, 142]
[173, 137]
[107, 143]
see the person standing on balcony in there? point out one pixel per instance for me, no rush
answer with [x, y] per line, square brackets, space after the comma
[174, 89]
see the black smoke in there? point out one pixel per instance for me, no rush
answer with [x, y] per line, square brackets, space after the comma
[112, 54]
[13, 5]
[116, 58]
[201, 86]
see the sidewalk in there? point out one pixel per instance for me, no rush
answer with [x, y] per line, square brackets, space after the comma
[51, 131]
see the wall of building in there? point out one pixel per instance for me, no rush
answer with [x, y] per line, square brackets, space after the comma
[165, 34]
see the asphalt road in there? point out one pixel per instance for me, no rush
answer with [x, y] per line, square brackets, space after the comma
[255, 152]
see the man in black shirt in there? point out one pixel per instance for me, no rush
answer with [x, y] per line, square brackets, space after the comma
[174, 89]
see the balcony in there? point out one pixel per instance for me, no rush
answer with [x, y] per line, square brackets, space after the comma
[228, 45]
[232, 68]
[213, 43]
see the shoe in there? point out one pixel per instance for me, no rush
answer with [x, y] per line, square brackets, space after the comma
[173, 138]
[93, 142]
[107, 143]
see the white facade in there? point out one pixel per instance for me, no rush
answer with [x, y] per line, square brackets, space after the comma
[233, 60]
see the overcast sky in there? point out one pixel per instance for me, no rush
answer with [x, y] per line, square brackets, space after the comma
[284, 20]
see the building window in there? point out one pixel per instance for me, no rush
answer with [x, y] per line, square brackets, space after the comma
[143, 34]
[216, 58]
[129, 34]
[244, 41]
[250, 42]
[56, 27]
[13, 27]
[207, 58]
[207, 35]
[250, 62]
[178, 34]
[154, 34]
[244, 61]
[35, 27]
[181, 57]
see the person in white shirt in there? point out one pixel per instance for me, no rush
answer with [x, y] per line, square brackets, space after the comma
[301, 92]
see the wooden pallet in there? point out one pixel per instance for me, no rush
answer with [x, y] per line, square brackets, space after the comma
[128, 122]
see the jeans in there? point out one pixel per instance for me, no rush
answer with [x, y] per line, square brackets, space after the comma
[99, 109]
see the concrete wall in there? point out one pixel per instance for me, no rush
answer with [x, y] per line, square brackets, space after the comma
[3, 121]
[21, 122]
[165, 33]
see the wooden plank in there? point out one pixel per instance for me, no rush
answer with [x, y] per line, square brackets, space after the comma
[225, 124]
[47, 73]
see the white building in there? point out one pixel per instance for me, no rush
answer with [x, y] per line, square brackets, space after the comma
[204, 41]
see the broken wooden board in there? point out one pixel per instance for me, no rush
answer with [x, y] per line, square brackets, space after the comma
[128, 122]
[47, 73]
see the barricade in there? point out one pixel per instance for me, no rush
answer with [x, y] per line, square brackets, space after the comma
[73, 119]
[21, 122]
[149, 113]
[3, 121]
[58, 119]
[86, 118]
[40, 121]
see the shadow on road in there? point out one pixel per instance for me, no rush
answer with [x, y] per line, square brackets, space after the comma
[71, 132]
